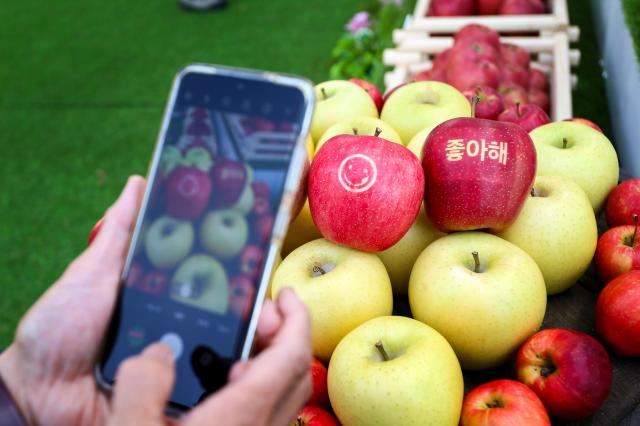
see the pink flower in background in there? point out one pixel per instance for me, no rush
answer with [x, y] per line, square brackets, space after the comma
[359, 21]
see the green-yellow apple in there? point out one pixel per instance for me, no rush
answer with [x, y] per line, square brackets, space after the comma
[201, 281]
[485, 295]
[224, 232]
[360, 126]
[558, 229]
[417, 142]
[342, 288]
[394, 371]
[168, 241]
[415, 106]
[400, 257]
[301, 230]
[337, 100]
[577, 151]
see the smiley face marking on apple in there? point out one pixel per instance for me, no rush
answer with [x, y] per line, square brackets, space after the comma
[357, 173]
[188, 186]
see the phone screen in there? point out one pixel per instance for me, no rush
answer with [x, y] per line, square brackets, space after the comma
[198, 256]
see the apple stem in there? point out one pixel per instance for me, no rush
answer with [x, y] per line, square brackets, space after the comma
[564, 143]
[383, 352]
[474, 102]
[299, 421]
[533, 192]
[355, 131]
[635, 230]
[317, 269]
[324, 94]
[476, 260]
[377, 132]
[518, 109]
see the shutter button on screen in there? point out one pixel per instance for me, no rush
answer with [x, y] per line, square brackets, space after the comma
[174, 342]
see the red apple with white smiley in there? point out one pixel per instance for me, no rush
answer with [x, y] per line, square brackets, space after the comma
[187, 192]
[359, 185]
[503, 403]
[568, 370]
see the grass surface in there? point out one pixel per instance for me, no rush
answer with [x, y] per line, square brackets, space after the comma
[83, 87]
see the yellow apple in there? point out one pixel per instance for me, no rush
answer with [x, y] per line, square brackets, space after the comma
[341, 287]
[301, 230]
[399, 258]
[393, 371]
[310, 147]
[485, 295]
[417, 142]
[360, 126]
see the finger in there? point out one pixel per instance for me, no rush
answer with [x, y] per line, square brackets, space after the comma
[269, 323]
[290, 405]
[296, 326]
[238, 370]
[143, 385]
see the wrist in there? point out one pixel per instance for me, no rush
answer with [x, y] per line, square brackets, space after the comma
[12, 383]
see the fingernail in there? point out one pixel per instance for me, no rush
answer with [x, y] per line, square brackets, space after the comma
[159, 351]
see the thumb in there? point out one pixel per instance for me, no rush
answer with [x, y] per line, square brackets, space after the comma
[143, 386]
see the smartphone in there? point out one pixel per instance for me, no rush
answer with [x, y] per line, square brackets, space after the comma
[220, 189]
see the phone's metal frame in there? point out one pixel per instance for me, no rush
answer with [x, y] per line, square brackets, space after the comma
[283, 216]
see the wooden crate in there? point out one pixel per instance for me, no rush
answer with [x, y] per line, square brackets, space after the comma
[549, 53]
[557, 20]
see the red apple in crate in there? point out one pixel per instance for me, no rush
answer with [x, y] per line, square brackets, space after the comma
[364, 192]
[188, 190]
[515, 55]
[540, 98]
[623, 202]
[585, 122]
[241, 294]
[517, 74]
[489, 105]
[251, 261]
[372, 90]
[512, 94]
[478, 174]
[94, 231]
[527, 116]
[618, 314]
[570, 371]
[314, 416]
[154, 282]
[538, 80]
[451, 8]
[319, 394]
[229, 179]
[522, 7]
[431, 75]
[503, 403]
[441, 60]
[478, 33]
[466, 52]
[470, 74]
[488, 7]
[618, 251]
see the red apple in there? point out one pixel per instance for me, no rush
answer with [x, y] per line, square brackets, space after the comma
[623, 202]
[319, 393]
[260, 189]
[95, 230]
[538, 80]
[515, 55]
[261, 206]
[618, 314]
[568, 370]
[371, 90]
[262, 227]
[465, 75]
[229, 179]
[135, 274]
[585, 122]
[488, 7]
[441, 60]
[490, 103]
[451, 8]
[512, 94]
[314, 416]
[503, 403]
[251, 259]
[517, 74]
[478, 174]
[617, 252]
[285, 127]
[468, 51]
[241, 294]
[154, 282]
[188, 190]
[478, 33]
[359, 185]
[433, 75]
[199, 128]
[540, 98]
[527, 116]
[522, 7]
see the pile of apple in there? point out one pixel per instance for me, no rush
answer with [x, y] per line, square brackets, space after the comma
[478, 222]
[485, 7]
[500, 74]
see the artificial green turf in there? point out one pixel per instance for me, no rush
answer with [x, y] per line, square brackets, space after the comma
[83, 88]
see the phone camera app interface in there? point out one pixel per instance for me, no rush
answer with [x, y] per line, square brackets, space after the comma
[206, 230]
